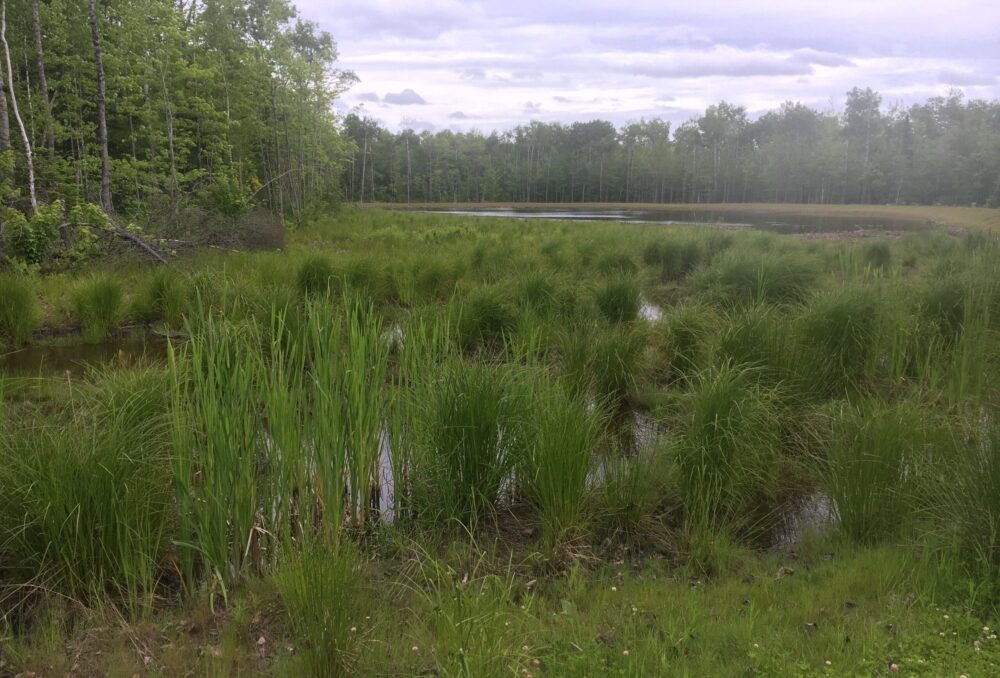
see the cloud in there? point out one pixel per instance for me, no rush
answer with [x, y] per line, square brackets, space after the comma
[821, 58]
[405, 98]
[472, 74]
[500, 63]
[458, 115]
[956, 78]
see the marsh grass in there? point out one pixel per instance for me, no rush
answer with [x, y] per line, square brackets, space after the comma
[601, 361]
[558, 460]
[164, 296]
[840, 336]
[972, 496]
[98, 303]
[315, 275]
[727, 454]
[619, 298]
[484, 318]
[754, 277]
[877, 466]
[86, 506]
[472, 436]
[322, 593]
[18, 308]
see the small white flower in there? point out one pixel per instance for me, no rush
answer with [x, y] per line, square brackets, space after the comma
[756, 646]
[614, 588]
[828, 662]
[624, 653]
[947, 617]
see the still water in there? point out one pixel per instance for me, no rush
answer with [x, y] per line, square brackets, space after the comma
[768, 221]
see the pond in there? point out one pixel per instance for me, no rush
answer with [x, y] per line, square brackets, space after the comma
[777, 222]
[75, 358]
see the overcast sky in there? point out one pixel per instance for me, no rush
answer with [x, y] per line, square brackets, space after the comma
[435, 64]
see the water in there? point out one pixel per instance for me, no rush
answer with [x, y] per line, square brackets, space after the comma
[778, 222]
[75, 359]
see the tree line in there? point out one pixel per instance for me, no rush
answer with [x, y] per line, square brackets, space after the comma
[146, 107]
[945, 150]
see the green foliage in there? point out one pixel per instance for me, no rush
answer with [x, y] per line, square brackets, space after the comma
[486, 316]
[619, 298]
[757, 277]
[315, 275]
[557, 462]
[98, 303]
[877, 459]
[18, 308]
[839, 336]
[32, 237]
[727, 454]
[602, 361]
[322, 593]
[878, 255]
[471, 437]
[164, 296]
[86, 506]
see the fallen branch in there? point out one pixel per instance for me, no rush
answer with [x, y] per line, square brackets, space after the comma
[137, 241]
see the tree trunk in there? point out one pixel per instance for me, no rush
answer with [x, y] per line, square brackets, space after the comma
[43, 85]
[4, 120]
[102, 116]
[17, 114]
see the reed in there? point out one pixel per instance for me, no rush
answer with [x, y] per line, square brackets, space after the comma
[18, 308]
[98, 303]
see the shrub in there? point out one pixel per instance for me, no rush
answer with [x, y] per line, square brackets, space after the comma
[98, 303]
[18, 308]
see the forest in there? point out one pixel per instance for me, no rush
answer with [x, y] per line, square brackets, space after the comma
[943, 151]
[151, 109]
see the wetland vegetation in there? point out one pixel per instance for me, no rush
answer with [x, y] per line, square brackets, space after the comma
[417, 443]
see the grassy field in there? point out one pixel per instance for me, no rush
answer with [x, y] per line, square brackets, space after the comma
[414, 444]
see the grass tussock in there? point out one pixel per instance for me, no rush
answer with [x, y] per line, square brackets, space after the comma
[98, 303]
[18, 308]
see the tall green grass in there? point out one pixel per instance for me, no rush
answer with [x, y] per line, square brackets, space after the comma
[748, 276]
[472, 429]
[619, 298]
[558, 459]
[85, 502]
[98, 303]
[315, 275]
[878, 459]
[322, 594]
[164, 297]
[839, 333]
[727, 453]
[18, 308]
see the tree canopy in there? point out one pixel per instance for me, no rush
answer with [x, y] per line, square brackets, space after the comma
[945, 150]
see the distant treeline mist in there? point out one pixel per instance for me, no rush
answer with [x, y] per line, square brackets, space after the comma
[946, 150]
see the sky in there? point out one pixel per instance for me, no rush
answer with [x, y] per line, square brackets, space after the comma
[445, 64]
